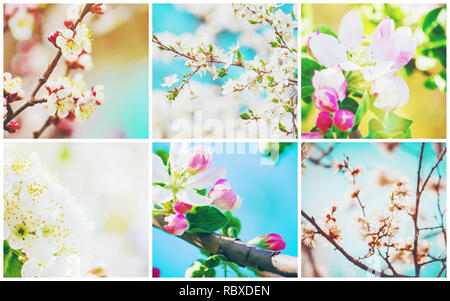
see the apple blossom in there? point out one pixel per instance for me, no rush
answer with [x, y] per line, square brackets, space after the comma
[98, 9]
[182, 208]
[12, 126]
[390, 50]
[176, 224]
[224, 197]
[22, 24]
[344, 120]
[326, 100]
[272, 242]
[12, 87]
[390, 92]
[330, 79]
[324, 122]
[200, 158]
[181, 185]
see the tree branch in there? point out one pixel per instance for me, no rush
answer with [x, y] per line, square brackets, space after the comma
[237, 251]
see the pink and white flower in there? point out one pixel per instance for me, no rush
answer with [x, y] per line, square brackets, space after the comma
[312, 135]
[390, 50]
[272, 242]
[324, 122]
[224, 197]
[390, 92]
[329, 87]
[176, 224]
[344, 120]
[180, 184]
[200, 158]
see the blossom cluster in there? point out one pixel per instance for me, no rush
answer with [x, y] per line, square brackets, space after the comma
[43, 221]
[68, 98]
[21, 19]
[353, 62]
[12, 91]
[274, 77]
[177, 185]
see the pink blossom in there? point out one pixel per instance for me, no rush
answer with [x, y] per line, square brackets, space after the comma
[12, 126]
[98, 9]
[329, 87]
[344, 120]
[312, 135]
[224, 197]
[182, 208]
[324, 122]
[199, 159]
[272, 242]
[326, 100]
[176, 224]
[390, 92]
[52, 37]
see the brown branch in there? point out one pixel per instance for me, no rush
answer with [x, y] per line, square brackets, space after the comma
[416, 214]
[44, 78]
[47, 123]
[345, 253]
[238, 252]
[324, 154]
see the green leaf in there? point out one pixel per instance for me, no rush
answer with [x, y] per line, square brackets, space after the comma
[325, 29]
[378, 112]
[244, 116]
[374, 126]
[201, 191]
[233, 222]
[430, 84]
[163, 155]
[431, 18]
[349, 104]
[395, 123]
[362, 109]
[307, 92]
[12, 266]
[308, 68]
[214, 261]
[206, 219]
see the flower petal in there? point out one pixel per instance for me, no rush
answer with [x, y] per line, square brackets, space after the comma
[178, 156]
[327, 50]
[160, 195]
[159, 170]
[390, 92]
[351, 31]
[190, 196]
[207, 178]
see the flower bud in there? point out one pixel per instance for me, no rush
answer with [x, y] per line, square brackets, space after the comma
[68, 23]
[98, 9]
[200, 158]
[176, 224]
[326, 99]
[182, 208]
[224, 197]
[344, 120]
[324, 122]
[156, 273]
[12, 126]
[52, 37]
[272, 242]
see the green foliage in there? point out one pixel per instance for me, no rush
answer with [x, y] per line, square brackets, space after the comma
[206, 219]
[349, 104]
[233, 227]
[325, 29]
[362, 109]
[12, 266]
[163, 155]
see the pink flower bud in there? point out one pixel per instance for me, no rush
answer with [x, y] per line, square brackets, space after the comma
[200, 158]
[52, 37]
[272, 242]
[344, 120]
[68, 23]
[156, 273]
[312, 135]
[98, 9]
[12, 126]
[324, 122]
[326, 99]
[176, 224]
[182, 208]
[224, 197]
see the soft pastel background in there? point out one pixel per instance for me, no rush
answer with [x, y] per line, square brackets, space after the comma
[209, 22]
[427, 108]
[120, 62]
[321, 186]
[110, 181]
[269, 205]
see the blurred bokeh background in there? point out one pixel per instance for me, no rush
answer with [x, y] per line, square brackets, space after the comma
[110, 181]
[321, 187]
[120, 63]
[425, 74]
[213, 23]
[269, 193]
